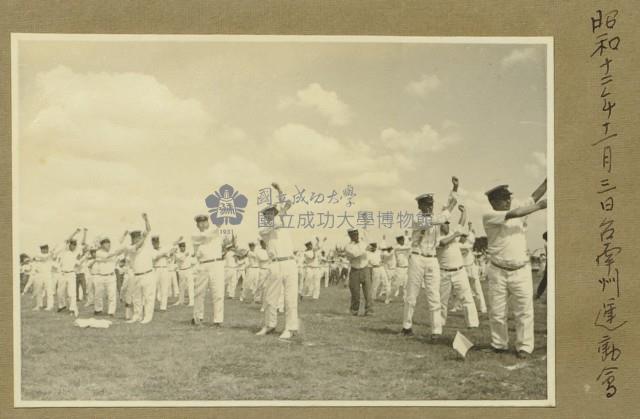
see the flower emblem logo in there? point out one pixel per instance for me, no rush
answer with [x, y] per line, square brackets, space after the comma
[226, 206]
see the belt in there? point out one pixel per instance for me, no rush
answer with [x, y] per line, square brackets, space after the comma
[105, 274]
[452, 269]
[265, 268]
[68, 272]
[282, 259]
[504, 268]
[159, 267]
[422, 254]
[184, 269]
[376, 266]
[359, 269]
[143, 273]
[402, 266]
[211, 260]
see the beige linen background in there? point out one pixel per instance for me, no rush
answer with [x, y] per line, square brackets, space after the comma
[577, 173]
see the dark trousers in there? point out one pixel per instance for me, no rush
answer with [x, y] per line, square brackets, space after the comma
[542, 286]
[81, 282]
[357, 278]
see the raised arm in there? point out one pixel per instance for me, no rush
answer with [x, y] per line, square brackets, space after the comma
[453, 200]
[526, 210]
[540, 191]
[284, 208]
[463, 215]
[84, 237]
[74, 234]
[147, 225]
[124, 236]
[446, 240]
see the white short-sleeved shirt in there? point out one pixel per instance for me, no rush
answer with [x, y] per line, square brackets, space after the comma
[103, 267]
[278, 241]
[507, 244]
[210, 243]
[467, 250]
[69, 260]
[388, 259]
[402, 255]
[375, 258]
[141, 259]
[183, 260]
[263, 258]
[356, 254]
[310, 259]
[449, 255]
[425, 238]
[161, 262]
[252, 259]
[230, 260]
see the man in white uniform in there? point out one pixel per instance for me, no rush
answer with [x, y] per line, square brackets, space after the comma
[509, 271]
[467, 238]
[402, 252]
[69, 259]
[105, 281]
[207, 247]
[379, 280]
[252, 275]
[423, 265]
[144, 280]
[230, 271]
[278, 242]
[185, 264]
[454, 275]
[357, 253]
[161, 270]
[44, 271]
[265, 275]
[312, 271]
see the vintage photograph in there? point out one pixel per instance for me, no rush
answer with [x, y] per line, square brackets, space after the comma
[282, 220]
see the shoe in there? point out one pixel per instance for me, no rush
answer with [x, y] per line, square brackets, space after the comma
[62, 309]
[241, 300]
[406, 332]
[368, 313]
[281, 310]
[97, 313]
[435, 337]
[287, 334]
[48, 309]
[132, 320]
[261, 309]
[145, 321]
[523, 355]
[218, 325]
[354, 313]
[495, 350]
[112, 315]
[265, 331]
[387, 301]
[175, 304]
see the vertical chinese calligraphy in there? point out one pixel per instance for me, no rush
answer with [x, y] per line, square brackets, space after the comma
[605, 54]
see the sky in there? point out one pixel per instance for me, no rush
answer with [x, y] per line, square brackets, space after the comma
[110, 129]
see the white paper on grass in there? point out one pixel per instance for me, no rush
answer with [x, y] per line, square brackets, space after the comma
[98, 324]
[461, 344]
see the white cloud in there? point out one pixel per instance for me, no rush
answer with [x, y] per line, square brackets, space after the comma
[111, 115]
[326, 102]
[423, 86]
[426, 139]
[537, 168]
[519, 56]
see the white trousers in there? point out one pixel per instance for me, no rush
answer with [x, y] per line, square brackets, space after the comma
[460, 283]
[163, 281]
[210, 275]
[250, 282]
[514, 290]
[105, 286]
[476, 287]
[380, 282]
[423, 270]
[186, 286]
[230, 280]
[147, 284]
[67, 291]
[133, 298]
[51, 281]
[312, 282]
[39, 285]
[400, 279]
[175, 287]
[91, 289]
[282, 280]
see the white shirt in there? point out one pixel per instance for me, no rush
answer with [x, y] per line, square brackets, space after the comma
[449, 255]
[310, 259]
[402, 255]
[69, 260]
[507, 244]
[425, 238]
[161, 262]
[263, 258]
[183, 260]
[102, 265]
[278, 241]
[210, 243]
[467, 250]
[230, 260]
[388, 259]
[252, 259]
[141, 259]
[356, 253]
[375, 258]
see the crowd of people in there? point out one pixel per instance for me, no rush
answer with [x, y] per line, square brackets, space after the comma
[436, 255]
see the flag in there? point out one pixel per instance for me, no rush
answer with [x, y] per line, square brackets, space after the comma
[461, 344]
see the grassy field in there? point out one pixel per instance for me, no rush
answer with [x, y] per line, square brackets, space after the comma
[336, 357]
